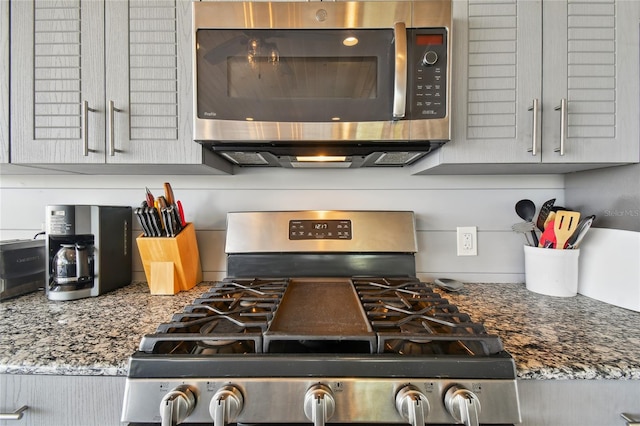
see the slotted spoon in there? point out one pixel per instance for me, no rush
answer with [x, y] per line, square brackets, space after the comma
[564, 226]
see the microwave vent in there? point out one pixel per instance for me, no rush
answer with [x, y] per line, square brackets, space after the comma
[246, 158]
[397, 158]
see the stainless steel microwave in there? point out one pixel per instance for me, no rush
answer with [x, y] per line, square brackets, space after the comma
[344, 84]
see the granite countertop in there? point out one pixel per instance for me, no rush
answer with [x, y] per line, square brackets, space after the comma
[549, 337]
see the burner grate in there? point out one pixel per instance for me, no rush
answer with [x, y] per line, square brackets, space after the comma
[410, 318]
[362, 315]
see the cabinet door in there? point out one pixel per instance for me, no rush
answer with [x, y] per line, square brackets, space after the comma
[4, 82]
[496, 76]
[62, 400]
[57, 81]
[591, 60]
[148, 80]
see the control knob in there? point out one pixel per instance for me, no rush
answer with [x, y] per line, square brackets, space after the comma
[463, 405]
[177, 405]
[412, 405]
[429, 58]
[225, 405]
[319, 404]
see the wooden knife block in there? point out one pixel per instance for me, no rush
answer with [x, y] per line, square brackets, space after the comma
[170, 264]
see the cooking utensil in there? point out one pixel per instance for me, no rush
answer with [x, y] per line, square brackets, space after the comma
[526, 209]
[550, 218]
[544, 212]
[564, 226]
[523, 228]
[581, 231]
[548, 237]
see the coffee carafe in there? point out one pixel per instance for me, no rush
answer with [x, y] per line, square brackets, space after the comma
[73, 265]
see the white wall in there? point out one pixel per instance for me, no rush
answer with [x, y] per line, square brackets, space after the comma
[440, 202]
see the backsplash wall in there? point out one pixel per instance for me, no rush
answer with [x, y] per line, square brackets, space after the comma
[441, 203]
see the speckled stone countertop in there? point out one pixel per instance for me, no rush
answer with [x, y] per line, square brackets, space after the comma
[549, 337]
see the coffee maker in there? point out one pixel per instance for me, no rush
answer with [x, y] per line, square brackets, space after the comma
[88, 250]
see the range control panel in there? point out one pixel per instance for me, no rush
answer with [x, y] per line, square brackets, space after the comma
[428, 73]
[331, 229]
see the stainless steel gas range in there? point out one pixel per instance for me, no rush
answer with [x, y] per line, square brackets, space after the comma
[321, 320]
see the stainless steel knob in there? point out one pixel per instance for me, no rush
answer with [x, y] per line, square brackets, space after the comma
[177, 405]
[412, 405]
[463, 405]
[319, 404]
[226, 404]
[429, 58]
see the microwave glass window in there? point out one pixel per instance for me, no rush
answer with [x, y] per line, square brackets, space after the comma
[295, 75]
[306, 78]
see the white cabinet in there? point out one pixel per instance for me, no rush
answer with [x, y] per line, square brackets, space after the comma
[62, 400]
[508, 54]
[103, 83]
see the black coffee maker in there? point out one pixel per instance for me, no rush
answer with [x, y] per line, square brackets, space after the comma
[88, 250]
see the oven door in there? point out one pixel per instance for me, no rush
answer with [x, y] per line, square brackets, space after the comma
[323, 75]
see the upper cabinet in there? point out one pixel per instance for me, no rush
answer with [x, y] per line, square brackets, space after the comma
[542, 87]
[104, 83]
[4, 82]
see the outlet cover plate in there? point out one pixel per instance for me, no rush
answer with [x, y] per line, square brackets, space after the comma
[467, 240]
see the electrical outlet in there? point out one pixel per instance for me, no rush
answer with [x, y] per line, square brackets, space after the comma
[467, 238]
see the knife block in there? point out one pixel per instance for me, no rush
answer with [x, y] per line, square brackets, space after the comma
[171, 264]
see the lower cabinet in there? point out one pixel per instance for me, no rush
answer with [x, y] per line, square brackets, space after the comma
[578, 402]
[97, 401]
[62, 400]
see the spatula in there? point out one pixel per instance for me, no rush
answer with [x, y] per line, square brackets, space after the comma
[544, 213]
[564, 226]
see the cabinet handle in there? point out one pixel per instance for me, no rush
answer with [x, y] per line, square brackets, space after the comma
[85, 128]
[400, 79]
[16, 415]
[630, 419]
[112, 143]
[534, 132]
[563, 125]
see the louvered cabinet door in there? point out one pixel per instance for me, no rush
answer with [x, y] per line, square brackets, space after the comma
[591, 61]
[148, 82]
[497, 75]
[4, 82]
[57, 81]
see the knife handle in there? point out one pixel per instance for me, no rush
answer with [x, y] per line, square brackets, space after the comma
[168, 193]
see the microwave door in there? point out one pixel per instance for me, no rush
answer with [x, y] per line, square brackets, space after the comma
[300, 75]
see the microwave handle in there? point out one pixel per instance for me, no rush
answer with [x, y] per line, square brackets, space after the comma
[400, 79]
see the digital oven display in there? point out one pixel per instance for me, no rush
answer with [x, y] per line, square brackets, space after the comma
[333, 229]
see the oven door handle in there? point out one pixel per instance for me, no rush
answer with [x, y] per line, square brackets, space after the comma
[400, 78]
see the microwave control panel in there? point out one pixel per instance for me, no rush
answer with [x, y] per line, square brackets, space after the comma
[427, 94]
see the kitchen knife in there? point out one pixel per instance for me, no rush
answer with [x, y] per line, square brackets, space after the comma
[183, 222]
[168, 193]
[176, 221]
[149, 196]
[155, 221]
[138, 211]
[167, 217]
